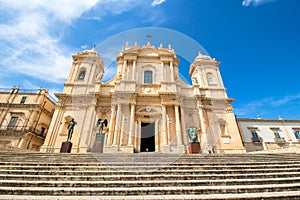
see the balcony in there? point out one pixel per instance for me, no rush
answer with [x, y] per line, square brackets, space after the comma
[20, 130]
[256, 139]
[280, 140]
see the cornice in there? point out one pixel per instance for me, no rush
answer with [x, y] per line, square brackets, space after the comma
[64, 95]
[78, 84]
[268, 120]
[14, 105]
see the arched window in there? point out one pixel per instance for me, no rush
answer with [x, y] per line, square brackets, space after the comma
[148, 77]
[81, 74]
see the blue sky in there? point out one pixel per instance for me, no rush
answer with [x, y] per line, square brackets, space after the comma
[256, 41]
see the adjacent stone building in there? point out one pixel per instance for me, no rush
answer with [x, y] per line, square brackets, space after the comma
[25, 116]
[269, 134]
[147, 105]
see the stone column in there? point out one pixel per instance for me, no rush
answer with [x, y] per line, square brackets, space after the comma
[72, 73]
[162, 72]
[157, 140]
[92, 71]
[171, 72]
[136, 135]
[117, 125]
[111, 124]
[139, 134]
[163, 125]
[131, 125]
[133, 70]
[124, 69]
[177, 126]
[184, 134]
[202, 127]
[21, 144]
[121, 130]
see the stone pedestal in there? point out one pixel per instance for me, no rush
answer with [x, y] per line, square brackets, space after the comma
[66, 147]
[165, 149]
[98, 145]
[97, 148]
[194, 147]
[179, 149]
[127, 149]
[111, 149]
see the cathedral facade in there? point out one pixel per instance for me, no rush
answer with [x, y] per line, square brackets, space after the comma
[147, 105]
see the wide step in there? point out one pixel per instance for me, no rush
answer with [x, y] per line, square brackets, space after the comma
[149, 176]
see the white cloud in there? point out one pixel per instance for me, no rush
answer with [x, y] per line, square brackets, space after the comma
[64, 10]
[31, 33]
[156, 18]
[111, 7]
[285, 100]
[255, 2]
[85, 46]
[157, 2]
[30, 38]
[258, 106]
[251, 107]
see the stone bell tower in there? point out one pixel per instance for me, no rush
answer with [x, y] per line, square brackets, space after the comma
[87, 70]
[77, 101]
[218, 128]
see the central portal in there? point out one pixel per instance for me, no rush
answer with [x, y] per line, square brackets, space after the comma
[148, 137]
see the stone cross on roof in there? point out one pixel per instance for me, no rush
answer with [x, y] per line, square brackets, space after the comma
[149, 36]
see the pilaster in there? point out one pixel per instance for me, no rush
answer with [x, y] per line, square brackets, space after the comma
[111, 124]
[165, 148]
[131, 126]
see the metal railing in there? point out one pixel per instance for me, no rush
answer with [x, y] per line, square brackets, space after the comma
[281, 139]
[24, 129]
[8, 148]
[256, 139]
[5, 89]
[19, 90]
[28, 91]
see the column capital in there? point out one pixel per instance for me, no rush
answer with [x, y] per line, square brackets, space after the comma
[132, 103]
[164, 104]
[176, 105]
[200, 105]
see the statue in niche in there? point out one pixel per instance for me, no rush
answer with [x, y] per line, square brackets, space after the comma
[71, 125]
[192, 133]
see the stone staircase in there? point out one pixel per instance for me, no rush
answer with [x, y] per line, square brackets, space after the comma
[149, 176]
